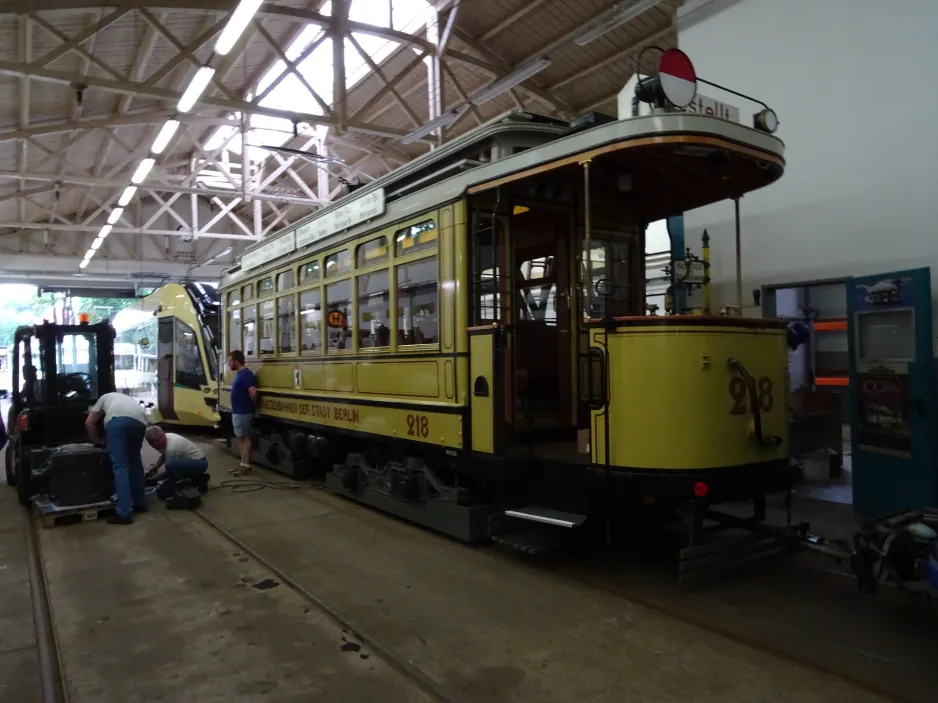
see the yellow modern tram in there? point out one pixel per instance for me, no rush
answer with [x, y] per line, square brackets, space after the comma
[166, 354]
[465, 341]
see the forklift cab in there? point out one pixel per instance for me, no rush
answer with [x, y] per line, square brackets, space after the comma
[58, 372]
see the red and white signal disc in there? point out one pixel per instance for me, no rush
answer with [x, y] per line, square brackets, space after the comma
[677, 78]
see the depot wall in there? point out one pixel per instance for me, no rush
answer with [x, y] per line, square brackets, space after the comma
[853, 83]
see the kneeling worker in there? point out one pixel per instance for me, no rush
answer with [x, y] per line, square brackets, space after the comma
[182, 459]
[124, 425]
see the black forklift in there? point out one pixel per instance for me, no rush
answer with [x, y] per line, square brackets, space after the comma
[58, 373]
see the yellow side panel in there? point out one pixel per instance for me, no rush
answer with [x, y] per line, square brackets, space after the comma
[274, 376]
[416, 379]
[339, 376]
[447, 277]
[672, 403]
[482, 364]
[425, 426]
[449, 380]
[460, 274]
[313, 376]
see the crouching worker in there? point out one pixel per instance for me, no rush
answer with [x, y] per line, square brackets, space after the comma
[124, 425]
[183, 461]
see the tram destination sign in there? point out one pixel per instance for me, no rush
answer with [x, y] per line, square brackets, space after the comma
[359, 210]
[274, 249]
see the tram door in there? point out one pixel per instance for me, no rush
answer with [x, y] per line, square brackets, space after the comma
[542, 350]
[892, 392]
[165, 370]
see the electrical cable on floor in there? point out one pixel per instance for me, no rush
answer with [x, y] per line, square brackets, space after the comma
[249, 485]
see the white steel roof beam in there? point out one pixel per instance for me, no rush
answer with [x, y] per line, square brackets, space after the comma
[13, 68]
[291, 67]
[24, 53]
[94, 229]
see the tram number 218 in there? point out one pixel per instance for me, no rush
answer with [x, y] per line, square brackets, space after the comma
[740, 395]
[418, 426]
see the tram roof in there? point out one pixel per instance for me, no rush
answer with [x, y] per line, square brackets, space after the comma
[564, 146]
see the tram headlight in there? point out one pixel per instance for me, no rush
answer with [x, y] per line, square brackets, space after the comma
[765, 121]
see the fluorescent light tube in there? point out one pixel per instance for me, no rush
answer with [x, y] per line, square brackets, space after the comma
[115, 215]
[89, 254]
[127, 196]
[84, 262]
[105, 231]
[503, 85]
[196, 87]
[143, 170]
[444, 120]
[614, 17]
[96, 243]
[238, 22]
[162, 139]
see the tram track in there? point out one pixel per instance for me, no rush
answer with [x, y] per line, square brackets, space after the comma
[53, 687]
[578, 573]
[421, 679]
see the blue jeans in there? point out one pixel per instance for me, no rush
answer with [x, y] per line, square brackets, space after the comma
[178, 470]
[124, 443]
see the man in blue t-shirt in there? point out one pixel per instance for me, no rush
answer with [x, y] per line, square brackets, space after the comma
[243, 399]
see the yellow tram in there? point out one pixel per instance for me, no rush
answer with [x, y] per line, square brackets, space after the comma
[166, 354]
[465, 341]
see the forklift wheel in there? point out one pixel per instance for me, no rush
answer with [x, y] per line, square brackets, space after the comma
[24, 486]
[11, 477]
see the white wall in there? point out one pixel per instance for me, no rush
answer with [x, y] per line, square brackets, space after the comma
[855, 87]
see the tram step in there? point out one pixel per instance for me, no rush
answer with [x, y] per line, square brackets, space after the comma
[547, 516]
[538, 540]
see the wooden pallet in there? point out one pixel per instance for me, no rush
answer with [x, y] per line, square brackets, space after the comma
[52, 516]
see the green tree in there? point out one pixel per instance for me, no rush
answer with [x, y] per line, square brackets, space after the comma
[100, 309]
[7, 328]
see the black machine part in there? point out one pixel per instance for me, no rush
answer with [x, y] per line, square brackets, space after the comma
[76, 474]
[895, 548]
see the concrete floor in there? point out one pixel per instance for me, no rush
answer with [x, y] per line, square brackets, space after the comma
[19, 664]
[168, 610]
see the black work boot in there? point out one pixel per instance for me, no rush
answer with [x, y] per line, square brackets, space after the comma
[116, 519]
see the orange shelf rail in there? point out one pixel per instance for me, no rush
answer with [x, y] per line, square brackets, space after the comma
[832, 381]
[830, 326]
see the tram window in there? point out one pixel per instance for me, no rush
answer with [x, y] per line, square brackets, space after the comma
[285, 280]
[418, 303]
[372, 252]
[538, 291]
[234, 330]
[190, 372]
[247, 292]
[234, 298]
[286, 324]
[338, 307]
[374, 310]
[338, 263]
[609, 288]
[486, 276]
[250, 330]
[267, 328]
[415, 238]
[309, 273]
[311, 320]
[265, 286]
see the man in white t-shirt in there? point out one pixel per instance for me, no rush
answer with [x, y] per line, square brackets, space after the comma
[183, 460]
[124, 425]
